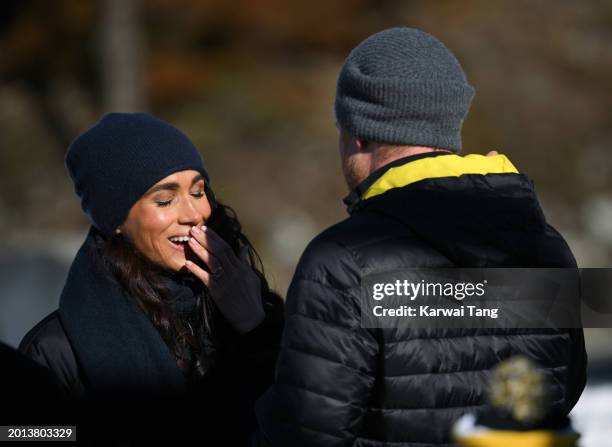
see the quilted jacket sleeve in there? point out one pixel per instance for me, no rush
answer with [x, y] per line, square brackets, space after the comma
[48, 345]
[327, 362]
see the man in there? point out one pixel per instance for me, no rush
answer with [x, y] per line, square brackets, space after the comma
[401, 100]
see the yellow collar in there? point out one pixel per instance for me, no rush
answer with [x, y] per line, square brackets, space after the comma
[441, 166]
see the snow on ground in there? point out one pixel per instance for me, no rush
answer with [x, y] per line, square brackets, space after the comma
[592, 416]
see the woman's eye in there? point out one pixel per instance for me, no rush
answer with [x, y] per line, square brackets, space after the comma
[198, 194]
[163, 202]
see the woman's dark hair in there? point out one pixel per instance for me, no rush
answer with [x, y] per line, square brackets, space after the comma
[191, 341]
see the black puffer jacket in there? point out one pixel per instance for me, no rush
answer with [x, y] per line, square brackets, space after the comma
[218, 407]
[338, 384]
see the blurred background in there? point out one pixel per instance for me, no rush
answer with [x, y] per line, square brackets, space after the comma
[252, 83]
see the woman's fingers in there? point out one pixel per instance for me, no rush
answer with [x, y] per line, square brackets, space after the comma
[212, 242]
[209, 259]
[218, 245]
[202, 274]
[233, 284]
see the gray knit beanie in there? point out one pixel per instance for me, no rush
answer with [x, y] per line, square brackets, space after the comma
[403, 86]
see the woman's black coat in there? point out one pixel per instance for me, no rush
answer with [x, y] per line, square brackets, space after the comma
[122, 378]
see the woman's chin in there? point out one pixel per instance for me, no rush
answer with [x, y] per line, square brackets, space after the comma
[178, 265]
[175, 261]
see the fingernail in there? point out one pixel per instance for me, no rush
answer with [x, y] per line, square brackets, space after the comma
[204, 228]
[195, 229]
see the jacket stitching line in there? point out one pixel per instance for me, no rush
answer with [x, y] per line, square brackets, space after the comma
[348, 329]
[404, 237]
[474, 336]
[488, 368]
[323, 395]
[321, 431]
[326, 286]
[403, 443]
[451, 407]
[352, 368]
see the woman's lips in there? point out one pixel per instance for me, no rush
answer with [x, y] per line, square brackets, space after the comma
[178, 246]
[184, 248]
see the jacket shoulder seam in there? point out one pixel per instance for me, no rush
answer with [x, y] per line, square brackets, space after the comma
[324, 238]
[33, 335]
[326, 285]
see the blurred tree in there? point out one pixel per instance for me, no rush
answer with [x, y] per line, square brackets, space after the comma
[122, 55]
[252, 82]
[44, 45]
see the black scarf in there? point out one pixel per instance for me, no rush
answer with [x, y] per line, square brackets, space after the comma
[120, 352]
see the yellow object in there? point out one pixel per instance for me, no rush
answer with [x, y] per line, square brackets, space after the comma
[500, 438]
[518, 387]
[440, 166]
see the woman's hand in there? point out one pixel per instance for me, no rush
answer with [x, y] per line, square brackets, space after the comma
[233, 284]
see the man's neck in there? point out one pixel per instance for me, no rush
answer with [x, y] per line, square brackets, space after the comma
[386, 154]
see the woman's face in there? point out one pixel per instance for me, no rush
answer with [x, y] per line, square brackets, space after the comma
[164, 215]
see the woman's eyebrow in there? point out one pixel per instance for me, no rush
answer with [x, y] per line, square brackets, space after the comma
[173, 186]
[164, 187]
[197, 178]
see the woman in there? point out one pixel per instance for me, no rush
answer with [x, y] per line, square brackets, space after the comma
[165, 319]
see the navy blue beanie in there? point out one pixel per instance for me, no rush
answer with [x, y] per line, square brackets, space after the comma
[118, 160]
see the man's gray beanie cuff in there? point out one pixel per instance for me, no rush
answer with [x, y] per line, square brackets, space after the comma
[403, 86]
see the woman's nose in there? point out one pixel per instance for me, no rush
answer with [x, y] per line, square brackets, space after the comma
[189, 213]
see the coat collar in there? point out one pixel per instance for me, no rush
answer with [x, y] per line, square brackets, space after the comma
[414, 168]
